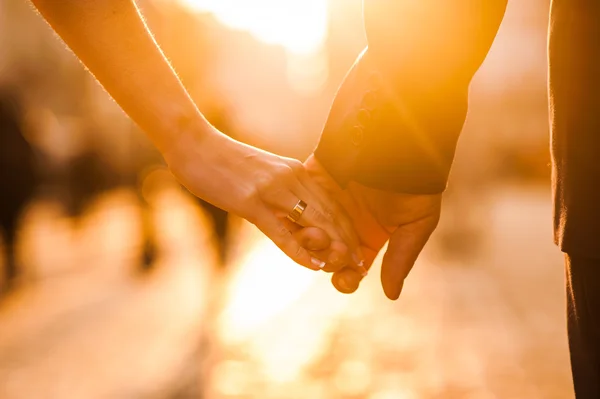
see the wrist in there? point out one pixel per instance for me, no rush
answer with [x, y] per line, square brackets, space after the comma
[191, 138]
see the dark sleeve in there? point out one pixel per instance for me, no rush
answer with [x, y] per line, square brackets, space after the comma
[396, 118]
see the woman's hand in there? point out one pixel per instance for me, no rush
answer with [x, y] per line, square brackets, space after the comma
[264, 188]
[112, 40]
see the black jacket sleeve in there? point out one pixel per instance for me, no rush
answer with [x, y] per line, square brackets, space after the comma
[396, 118]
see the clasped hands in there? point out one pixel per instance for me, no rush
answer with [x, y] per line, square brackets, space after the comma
[405, 220]
[340, 231]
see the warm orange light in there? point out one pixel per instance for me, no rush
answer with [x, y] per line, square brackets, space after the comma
[281, 313]
[298, 25]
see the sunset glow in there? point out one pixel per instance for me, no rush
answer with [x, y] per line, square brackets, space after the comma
[275, 309]
[300, 26]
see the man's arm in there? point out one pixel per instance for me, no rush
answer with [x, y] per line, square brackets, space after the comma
[111, 39]
[395, 121]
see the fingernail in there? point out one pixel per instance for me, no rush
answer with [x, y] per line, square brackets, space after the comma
[364, 273]
[346, 285]
[343, 284]
[318, 263]
[359, 262]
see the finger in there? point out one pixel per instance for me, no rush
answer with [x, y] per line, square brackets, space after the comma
[280, 234]
[312, 239]
[320, 246]
[339, 216]
[285, 199]
[336, 257]
[346, 280]
[406, 243]
[315, 216]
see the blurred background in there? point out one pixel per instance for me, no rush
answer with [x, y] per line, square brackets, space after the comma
[116, 283]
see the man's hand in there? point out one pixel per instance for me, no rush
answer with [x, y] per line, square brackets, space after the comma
[405, 220]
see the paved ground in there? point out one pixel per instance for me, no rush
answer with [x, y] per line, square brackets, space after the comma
[491, 326]
[98, 330]
[488, 327]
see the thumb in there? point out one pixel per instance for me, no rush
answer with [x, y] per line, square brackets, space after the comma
[406, 243]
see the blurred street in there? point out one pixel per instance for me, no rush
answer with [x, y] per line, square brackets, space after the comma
[98, 330]
[488, 328]
[118, 290]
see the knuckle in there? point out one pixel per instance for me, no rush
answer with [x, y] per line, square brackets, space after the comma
[329, 213]
[286, 170]
[297, 253]
[283, 233]
[251, 196]
[287, 173]
[296, 166]
[288, 244]
[309, 213]
[317, 216]
[263, 184]
[275, 181]
[342, 250]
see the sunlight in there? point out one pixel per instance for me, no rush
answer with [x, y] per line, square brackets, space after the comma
[300, 26]
[268, 283]
[281, 313]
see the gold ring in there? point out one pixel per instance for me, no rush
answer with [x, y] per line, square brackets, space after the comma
[297, 212]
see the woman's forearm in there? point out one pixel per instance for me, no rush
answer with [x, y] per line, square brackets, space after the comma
[112, 40]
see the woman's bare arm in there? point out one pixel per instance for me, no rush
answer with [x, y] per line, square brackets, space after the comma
[112, 40]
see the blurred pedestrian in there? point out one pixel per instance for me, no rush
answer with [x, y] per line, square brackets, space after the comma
[18, 179]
